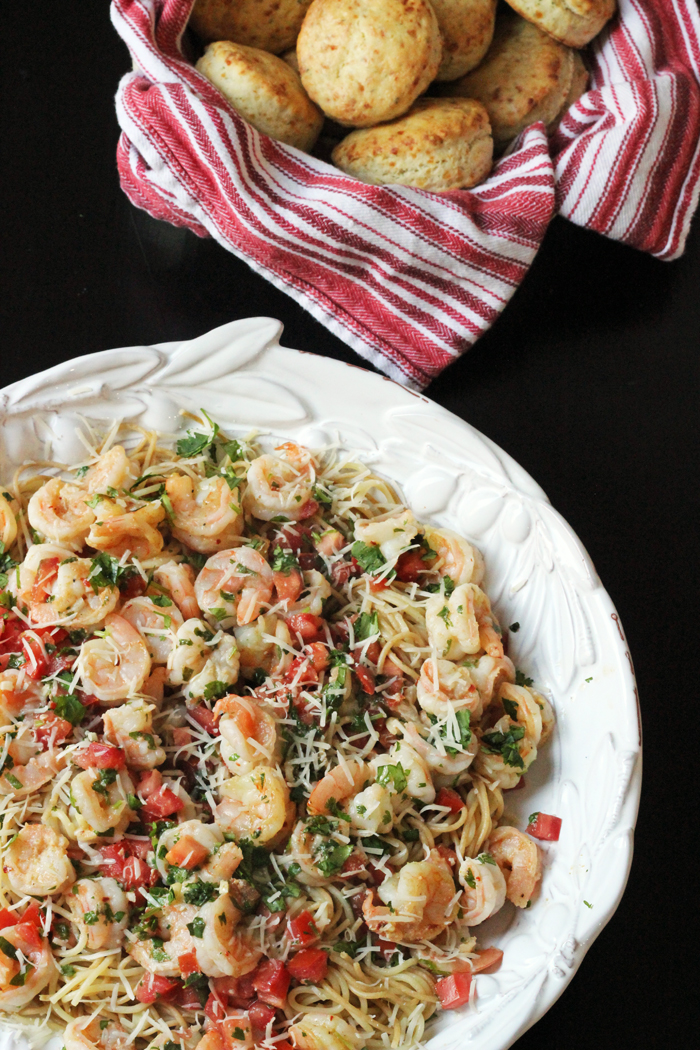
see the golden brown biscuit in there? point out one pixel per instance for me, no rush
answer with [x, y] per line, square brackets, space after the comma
[264, 90]
[439, 145]
[467, 30]
[272, 25]
[572, 22]
[365, 61]
[290, 57]
[525, 77]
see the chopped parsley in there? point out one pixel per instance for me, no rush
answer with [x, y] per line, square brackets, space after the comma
[195, 443]
[215, 690]
[521, 679]
[70, 708]
[106, 571]
[393, 775]
[366, 625]
[370, 558]
[283, 560]
[505, 745]
[200, 893]
[105, 777]
[511, 708]
[196, 927]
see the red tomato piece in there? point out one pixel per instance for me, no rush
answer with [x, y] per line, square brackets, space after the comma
[308, 626]
[544, 826]
[308, 509]
[310, 964]
[137, 847]
[30, 935]
[260, 1015]
[376, 874]
[318, 654]
[271, 981]
[188, 964]
[100, 756]
[52, 731]
[10, 631]
[410, 565]
[36, 657]
[7, 918]
[355, 863]
[453, 991]
[378, 585]
[342, 571]
[288, 585]
[448, 854]
[135, 588]
[301, 671]
[450, 798]
[215, 1009]
[486, 959]
[365, 678]
[150, 783]
[136, 873]
[302, 929]
[187, 853]
[32, 914]
[113, 860]
[163, 804]
[371, 651]
[152, 986]
[187, 999]
[205, 718]
[387, 948]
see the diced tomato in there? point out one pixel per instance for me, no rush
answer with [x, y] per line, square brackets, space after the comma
[205, 718]
[52, 731]
[305, 710]
[342, 571]
[271, 981]
[545, 827]
[453, 991]
[135, 587]
[30, 935]
[376, 874]
[113, 860]
[260, 1015]
[36, 657]
[310, 964]
[100, 756]
[302, 929]
[355, 863]
[308, 509]
[163, 804]
[152, 986]
[378, 585]
[188, 964]
[486, 959]
[450, 798]
[215, 1009]
[449, 855]
[181, 736]
[371, 651]
[301, 671]
[387, 948]
[283, 1045]
[410, 565]
[32, 914]
[187, 853]
[150, 783]
[136, 873]
[288, 585]
[318, 654]
[8, 918]
[308, 626]
[10, 630]
[231, 989]
[187, 998]
[293, 537]
[45, 574]
[137, 847]
[365, 678]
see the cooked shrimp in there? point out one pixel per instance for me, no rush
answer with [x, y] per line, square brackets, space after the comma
[234, 583]
[281, 486]
[370, 810]
[86, 1034]
[392, 534]
[339, 784]
[462, 624]
[99, 811]
[130, 726]
[199, 846]
[489, 674]
[484, 888]
[201, 657]
[115, 665]
[134, 533]
[436, 755]
[111, 471]
[519, 859]
[529, 710]
[255, 806]
[27, 768]
[34, 963]
[326, 1032]
[249, 735]
[505, 767]
[155, 623]
[307, 848]
[101, 909]
[263, 644]
[419, 781]
[59, 512]
[178, 579]
[207, 514]
[445, 686]
[55, 586]
[455, 557]
[420, 902]
[8, 521]
[316, 590]
[36, 862]
[18, 694]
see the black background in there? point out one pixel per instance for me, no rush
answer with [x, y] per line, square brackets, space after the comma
[590, 380]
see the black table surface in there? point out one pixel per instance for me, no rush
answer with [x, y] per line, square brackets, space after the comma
[589, 380]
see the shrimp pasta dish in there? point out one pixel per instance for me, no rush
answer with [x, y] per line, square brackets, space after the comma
[257, 723]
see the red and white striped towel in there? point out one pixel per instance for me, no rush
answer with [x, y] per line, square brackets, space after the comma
[410, 279]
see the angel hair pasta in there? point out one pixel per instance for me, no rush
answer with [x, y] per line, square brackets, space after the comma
[256, 725]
